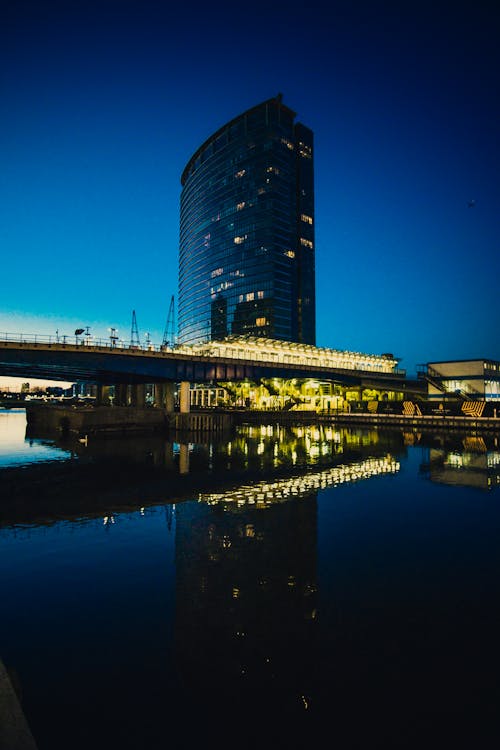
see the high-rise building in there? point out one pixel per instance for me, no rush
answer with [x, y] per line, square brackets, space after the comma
[246, 261]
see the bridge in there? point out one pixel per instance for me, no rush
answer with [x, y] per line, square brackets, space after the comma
[104, 362]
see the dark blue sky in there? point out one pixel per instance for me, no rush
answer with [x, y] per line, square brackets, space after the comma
[101, 106]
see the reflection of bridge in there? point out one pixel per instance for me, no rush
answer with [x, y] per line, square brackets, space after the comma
[107, 363]
[265, 493]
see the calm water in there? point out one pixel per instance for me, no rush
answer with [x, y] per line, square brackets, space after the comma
[275, 588]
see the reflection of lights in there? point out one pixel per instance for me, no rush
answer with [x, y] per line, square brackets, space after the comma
[263, 494]
[107, 520]
[455, 459]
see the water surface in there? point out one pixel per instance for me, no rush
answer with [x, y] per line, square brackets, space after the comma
[258, 591]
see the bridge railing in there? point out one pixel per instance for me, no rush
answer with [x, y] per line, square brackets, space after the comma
[81, 340]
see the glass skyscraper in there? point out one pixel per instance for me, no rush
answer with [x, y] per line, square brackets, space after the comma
[246, 256]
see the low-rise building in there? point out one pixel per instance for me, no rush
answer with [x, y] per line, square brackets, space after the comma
[472, 379]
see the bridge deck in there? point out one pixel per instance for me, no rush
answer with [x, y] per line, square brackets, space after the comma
[110, 364]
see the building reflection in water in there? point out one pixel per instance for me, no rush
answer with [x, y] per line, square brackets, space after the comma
[246, 578]
[474, 461]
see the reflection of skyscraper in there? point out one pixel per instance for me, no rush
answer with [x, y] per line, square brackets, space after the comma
[247, 230]
[246, 604]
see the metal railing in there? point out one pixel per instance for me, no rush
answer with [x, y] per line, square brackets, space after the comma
[72, 340]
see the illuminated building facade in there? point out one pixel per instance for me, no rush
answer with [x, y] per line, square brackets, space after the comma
[475, 379]
[246, 256]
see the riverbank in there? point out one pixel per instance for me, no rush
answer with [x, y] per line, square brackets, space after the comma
[80, 421]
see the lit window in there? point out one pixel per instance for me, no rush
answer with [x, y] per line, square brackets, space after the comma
[290, 253]
[306, 243]
[305, 150]
[240, 173]
[239, 240]
[239, 206]
[307, 219]
[250, 296]
[273, 170]
[260, 322]
[216, 272]
[287, 143]
[260, 295]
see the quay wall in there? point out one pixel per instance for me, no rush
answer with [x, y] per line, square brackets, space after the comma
[91, 420]
[88, 420]
[428, 422]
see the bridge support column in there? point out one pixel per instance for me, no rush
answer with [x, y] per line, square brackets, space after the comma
[138, 395]
[121, 394]
[170, 397]
[102, 395]
[159, 395]
[184, 403]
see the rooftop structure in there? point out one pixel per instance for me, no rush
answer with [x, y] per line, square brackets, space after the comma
[271, 350]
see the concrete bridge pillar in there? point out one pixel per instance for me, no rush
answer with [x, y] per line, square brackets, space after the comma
[138, 395]
[164, 396]
[121, 394]
[159, 395]
[170, 397]
[184, 403]
[102, 395]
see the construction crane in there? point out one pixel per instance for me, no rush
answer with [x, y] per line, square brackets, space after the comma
[134, 332]
[169, 333]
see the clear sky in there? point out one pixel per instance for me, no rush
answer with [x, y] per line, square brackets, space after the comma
[102, 104]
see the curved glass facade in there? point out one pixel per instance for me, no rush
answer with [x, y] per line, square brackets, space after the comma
[246, 260]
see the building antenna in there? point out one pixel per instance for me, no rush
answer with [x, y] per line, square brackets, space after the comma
[134, 332]
[169, 333]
